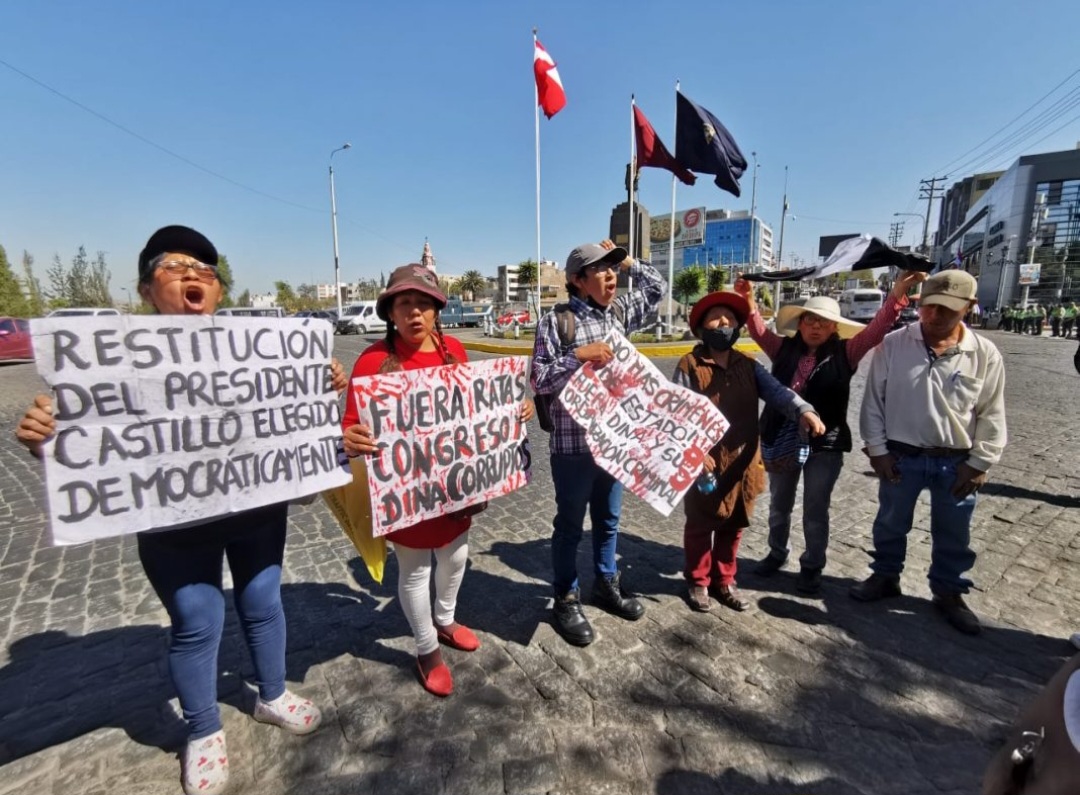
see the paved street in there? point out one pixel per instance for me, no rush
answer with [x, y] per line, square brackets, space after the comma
[799, 695]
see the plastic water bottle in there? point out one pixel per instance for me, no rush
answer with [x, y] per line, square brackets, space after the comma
[706, 482]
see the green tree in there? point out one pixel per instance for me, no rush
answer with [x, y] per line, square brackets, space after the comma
[307, 296]
[688, 283]
[12, 300]
[244, 299]
[97, 282]
[764, 297]
[286, 298]
[717, 279]
[527, 272]
[59, 292]
[226, 278]
[472, 283]
[35, 300]
[78, 277]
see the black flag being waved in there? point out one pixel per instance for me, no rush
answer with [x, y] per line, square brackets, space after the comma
[704, 145]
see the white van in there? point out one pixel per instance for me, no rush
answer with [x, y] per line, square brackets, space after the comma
[861, 304]
[360, 318]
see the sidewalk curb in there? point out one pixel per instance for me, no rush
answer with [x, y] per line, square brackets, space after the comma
[652, 350]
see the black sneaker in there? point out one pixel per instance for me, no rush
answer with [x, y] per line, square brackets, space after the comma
[769, 565]
[570, 621]
[957, 613]
[610, 596]
[808, 582]
[876, 586]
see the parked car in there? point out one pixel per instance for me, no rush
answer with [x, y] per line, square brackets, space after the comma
[83, 311]
[521, 316]
[15, 344]
[321, 314]
[360, 318]
[252, 311]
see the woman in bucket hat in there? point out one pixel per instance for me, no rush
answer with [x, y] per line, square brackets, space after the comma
[414, 340]
[734, 382]
[815, 351]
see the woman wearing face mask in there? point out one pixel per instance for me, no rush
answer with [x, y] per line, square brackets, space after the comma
[734, 383]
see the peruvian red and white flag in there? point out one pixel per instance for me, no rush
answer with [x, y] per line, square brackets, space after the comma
[549, 91]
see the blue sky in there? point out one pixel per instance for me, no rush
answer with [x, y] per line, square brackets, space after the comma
[860, 100]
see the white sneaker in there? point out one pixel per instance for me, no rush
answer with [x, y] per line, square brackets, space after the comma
[290, 712]
[1075, 639]
[204, 765]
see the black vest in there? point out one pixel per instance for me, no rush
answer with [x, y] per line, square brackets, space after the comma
[827, 389]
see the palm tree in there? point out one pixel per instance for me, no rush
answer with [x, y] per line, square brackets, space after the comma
[473, 283]
[688, 283]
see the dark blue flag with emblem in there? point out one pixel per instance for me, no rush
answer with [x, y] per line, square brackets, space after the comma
[704, 145]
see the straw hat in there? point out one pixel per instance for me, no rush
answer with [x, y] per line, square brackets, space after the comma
[787, 319]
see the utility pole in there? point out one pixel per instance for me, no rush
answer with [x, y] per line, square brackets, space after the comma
[929, 190]
[1037, 218]
[780, 251]
[896, 232]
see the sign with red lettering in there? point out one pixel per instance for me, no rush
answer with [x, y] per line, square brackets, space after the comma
[650, 434]
[450, 437]
[169, 420]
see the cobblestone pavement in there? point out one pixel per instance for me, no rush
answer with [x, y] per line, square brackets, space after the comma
[798, 695]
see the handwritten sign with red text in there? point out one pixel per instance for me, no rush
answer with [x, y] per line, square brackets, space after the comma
[650, 434]
[451, 437]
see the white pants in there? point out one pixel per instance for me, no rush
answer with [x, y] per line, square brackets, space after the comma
[414, 587]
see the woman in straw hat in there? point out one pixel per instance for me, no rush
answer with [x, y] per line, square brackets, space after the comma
[414, 340]
[815, 351]
[734, 382]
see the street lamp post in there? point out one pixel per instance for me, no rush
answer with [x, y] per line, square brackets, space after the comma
[333, 226]
[130, 305]
[753, 210]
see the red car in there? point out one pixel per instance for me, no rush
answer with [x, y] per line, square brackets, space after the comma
[15, 340]
[521, 316]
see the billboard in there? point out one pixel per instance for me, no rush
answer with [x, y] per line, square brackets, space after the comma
[689, 229]
[1029, 274]
[828, 243]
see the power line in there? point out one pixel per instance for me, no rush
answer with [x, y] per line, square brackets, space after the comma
[188, 161]
[994, 134]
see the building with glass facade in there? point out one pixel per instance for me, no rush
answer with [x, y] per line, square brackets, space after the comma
[732, 240]
[1031, 214]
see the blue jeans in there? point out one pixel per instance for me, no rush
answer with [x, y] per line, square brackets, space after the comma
[184, 567]
[819, 475]
[950, 522]
[581, 484]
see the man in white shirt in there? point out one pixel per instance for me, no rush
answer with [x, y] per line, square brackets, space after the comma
[933, 417]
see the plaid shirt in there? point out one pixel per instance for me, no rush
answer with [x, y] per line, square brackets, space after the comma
[553, 363]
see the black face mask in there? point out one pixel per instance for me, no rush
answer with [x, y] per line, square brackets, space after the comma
[720, 339]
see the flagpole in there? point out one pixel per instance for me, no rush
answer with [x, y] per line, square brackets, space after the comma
[671, 222]
[630, 186]
[536, 119]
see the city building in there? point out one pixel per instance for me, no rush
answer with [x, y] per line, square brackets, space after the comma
[552, 286]
[1030, 214]
[732, 239]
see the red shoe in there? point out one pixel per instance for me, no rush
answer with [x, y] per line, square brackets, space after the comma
[461, 638]
[438, 682]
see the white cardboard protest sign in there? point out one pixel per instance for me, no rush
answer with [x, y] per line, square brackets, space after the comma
[451, 437]
[168, 420]
[650, 434]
